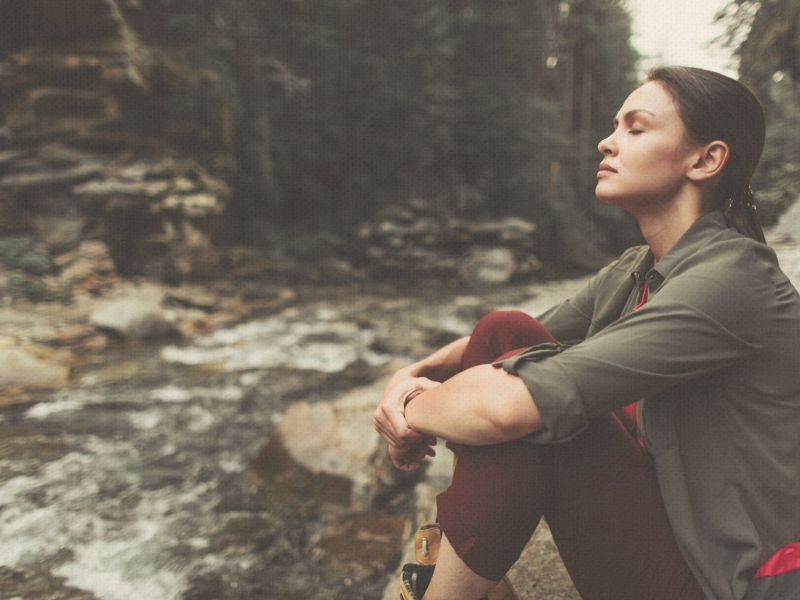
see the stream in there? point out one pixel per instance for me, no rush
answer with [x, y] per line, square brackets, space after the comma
[141, 480]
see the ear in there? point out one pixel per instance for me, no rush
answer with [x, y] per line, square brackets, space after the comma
[709, 160]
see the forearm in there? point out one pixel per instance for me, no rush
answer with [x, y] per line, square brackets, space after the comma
[442, 364]
[479, 406]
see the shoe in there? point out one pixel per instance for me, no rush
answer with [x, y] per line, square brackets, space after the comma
[414, 581]
[415, 578]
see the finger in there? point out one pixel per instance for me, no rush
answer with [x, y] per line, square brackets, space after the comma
[429, 384]
[398, 424]
[387, 435]
[387, 427]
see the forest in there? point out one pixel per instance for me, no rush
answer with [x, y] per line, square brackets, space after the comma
[387, 135]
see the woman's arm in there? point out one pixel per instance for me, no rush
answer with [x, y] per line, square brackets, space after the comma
[442, 364]
[481, 405]
[389, 415]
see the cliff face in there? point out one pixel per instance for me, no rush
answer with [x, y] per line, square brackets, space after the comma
[83, 148]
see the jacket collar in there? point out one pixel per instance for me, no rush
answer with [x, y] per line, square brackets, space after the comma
[692, 240]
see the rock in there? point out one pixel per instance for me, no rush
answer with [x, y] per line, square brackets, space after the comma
[59, 231]
[336, 438]
[195, 256]
[363, 544]
[50, 103]
[13, 394]
[71, 335]
[90, 260]
[59, 154]
[119, 187]
[134, 314]
[507, 230]
[192, 296]
[539, 574]
[420, 239]
[488, 266]
[12, 220]
[43, 179]
[37, 584]
[193, 205]
[18, 367]
[7, 157]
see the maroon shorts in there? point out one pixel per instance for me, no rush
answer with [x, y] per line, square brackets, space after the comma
[597, 491]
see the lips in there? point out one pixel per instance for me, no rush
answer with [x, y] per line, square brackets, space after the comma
[605, 167]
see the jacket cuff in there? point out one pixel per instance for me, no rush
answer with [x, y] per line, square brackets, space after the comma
[557, 398]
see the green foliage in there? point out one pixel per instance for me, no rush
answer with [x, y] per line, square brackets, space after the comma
[777, 179]
[765, 35]
[333, 109]
[425, 97]
[20, 253]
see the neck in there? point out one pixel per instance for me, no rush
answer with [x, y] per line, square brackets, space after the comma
[663, 224]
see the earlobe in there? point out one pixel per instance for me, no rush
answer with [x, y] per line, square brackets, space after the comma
[713, 158]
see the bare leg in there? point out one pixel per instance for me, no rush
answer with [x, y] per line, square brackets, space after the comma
[454, 579]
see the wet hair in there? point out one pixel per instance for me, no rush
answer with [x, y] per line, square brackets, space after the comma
[712, 107]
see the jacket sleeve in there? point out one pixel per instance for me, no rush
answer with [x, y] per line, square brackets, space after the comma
[693, 326]
[569, 321]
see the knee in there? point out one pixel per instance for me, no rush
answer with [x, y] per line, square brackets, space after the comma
[504, 330]
[503, 320]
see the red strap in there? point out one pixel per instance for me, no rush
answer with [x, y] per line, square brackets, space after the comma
[630, 409]
[786, 559]
[644, 297]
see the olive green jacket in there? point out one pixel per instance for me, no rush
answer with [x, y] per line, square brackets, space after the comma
[714, 357]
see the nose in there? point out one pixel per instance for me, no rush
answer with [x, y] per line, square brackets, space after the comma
[606, 145]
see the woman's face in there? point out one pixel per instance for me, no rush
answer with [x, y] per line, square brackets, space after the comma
[647, 151]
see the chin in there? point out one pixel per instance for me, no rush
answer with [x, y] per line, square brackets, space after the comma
[625, 203]
[604, 196]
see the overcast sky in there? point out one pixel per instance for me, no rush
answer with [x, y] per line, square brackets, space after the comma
[678, 32]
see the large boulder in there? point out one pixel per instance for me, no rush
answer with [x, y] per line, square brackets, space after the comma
[488, 266]
[334, 438]
[134, 313]
[18, 367]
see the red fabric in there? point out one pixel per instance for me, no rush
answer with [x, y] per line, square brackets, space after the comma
[490, 341]
[630, 409]
[597, 491]
[786, 559]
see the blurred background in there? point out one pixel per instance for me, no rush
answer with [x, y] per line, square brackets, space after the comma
[224, 223]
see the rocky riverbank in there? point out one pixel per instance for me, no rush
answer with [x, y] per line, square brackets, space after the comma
[215, 446]
[215, 442]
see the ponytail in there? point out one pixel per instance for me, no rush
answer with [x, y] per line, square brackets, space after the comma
[714, 106]
[741, 212]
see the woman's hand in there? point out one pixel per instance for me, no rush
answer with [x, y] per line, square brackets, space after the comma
[409, 457]
[390, 420]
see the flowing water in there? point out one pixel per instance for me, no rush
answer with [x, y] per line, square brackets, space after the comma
[142, 480]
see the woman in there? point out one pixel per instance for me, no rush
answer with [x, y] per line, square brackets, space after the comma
[653, 419]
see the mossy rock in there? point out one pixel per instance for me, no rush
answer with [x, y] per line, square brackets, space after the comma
[23, 286]
[20, 253]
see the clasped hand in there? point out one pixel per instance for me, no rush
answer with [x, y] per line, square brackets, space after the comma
[407, 448]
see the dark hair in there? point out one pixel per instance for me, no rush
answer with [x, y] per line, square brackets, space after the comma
[713, 106]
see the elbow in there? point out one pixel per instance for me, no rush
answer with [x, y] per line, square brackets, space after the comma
[507, 422]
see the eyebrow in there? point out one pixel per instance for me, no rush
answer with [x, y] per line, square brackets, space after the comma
[632, 112]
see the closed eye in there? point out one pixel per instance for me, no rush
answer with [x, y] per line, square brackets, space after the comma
[635, 131]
